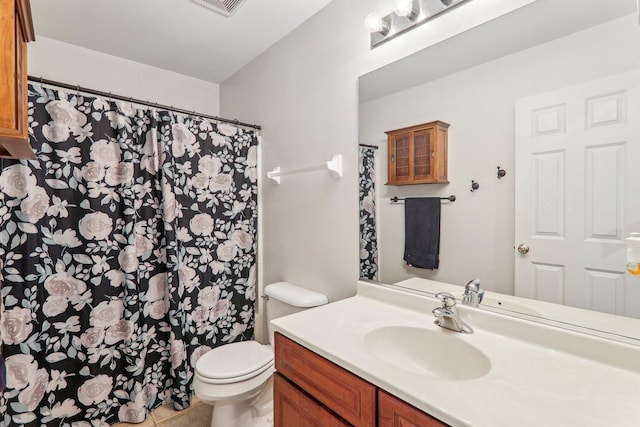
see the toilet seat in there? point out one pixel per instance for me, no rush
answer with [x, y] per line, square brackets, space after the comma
[234, 362]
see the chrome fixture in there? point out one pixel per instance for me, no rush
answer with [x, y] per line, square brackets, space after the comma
[472, 293]
[474, 186]
[447, 316]
[376, 25]
[408, 9]
[407, 15]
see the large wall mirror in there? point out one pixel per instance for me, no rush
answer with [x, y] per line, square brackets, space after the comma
[549, 93]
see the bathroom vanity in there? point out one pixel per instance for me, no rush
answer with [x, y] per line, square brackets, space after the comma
[311, 390]
[379, 359]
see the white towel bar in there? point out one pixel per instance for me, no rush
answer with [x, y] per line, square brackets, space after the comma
[334, 166]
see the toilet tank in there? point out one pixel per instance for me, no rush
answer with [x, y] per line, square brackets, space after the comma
[284, 298]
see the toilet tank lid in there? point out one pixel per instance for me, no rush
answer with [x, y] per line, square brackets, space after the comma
[295, 295]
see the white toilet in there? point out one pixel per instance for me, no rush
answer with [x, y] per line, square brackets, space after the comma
[236, 378]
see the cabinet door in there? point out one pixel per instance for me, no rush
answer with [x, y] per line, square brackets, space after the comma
[10, 49]
[393, 412]
[423, 154]
[347, 395]
[15, 27]
[292, 407]
[400, 159]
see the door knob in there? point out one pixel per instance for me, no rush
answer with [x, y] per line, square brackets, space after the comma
[523, 249]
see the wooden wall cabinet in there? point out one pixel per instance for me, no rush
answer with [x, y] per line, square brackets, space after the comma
[310, 391]
[16, 29]
[418, 154]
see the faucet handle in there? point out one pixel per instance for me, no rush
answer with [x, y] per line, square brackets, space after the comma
[472, 293]
[473, 285]
[448, 300]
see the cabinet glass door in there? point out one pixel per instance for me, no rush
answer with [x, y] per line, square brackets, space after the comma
[422, 154]
[402, 157]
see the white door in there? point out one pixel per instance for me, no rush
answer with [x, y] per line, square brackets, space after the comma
[578, 194]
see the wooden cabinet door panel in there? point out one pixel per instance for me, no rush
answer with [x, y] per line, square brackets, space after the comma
[393, 412]
[16, 29]
[347, 395]
[292, 407]
[9, 83]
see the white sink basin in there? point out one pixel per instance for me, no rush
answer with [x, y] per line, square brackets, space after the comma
[436, 354]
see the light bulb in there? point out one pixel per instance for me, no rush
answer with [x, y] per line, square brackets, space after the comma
[405, 8]
[375, 24]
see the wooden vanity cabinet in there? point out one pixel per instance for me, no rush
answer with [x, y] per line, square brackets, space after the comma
[16, 29]
[418, 154]
[311, 391]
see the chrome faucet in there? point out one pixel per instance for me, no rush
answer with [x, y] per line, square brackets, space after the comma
[447, 316]
[472, 293]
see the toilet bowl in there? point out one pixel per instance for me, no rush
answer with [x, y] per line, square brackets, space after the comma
[231, 378]
[237, 378]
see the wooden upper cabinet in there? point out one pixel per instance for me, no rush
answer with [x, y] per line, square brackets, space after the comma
[418, 154]
[16, 29]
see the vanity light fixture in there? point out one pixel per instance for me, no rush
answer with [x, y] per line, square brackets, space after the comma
[376, 25]
[407, 15]
[408, 8]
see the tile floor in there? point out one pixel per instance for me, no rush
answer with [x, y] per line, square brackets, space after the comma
[197, 415]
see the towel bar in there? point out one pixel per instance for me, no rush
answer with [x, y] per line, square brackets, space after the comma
[451, 198]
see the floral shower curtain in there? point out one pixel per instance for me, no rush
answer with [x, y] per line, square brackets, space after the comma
[127, 252]
[368, 233]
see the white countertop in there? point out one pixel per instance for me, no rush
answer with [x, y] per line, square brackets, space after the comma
[540, 375]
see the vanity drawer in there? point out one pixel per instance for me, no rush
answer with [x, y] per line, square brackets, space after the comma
[342, 392]
[292, 407]
[393, 412]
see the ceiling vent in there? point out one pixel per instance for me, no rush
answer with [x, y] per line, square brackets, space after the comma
[224, 7]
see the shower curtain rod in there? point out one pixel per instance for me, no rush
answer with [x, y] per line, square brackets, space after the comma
[109, 95]
[375, 147]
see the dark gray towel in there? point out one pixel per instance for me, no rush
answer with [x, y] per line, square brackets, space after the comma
[422, 232]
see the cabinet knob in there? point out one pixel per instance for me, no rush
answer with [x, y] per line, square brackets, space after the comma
[393, 158]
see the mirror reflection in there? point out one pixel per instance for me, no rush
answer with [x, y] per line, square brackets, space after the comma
[546, 122]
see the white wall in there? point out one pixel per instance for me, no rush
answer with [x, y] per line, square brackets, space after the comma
[67, 63]
[477, 231]
[304, 92]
